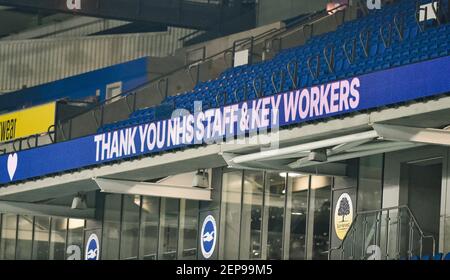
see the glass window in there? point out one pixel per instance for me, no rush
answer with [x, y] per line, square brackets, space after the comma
[168, 238]
[24, 238]
[130, 227]
[111, 227]
[41, 238]
[250, 239]
[297, 210]
[75, 239]
[8, 242]
[149, 228]
[319, 218]
[230, 215]
[370, 183]
[275, 195]
[188, 229]
[58, 238]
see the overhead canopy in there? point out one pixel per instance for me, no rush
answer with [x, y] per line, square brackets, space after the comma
[322, 155]
[178, 186]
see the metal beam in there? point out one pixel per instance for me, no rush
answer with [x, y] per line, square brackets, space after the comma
[346, 146]
[305, 147]
[34, 209]
[355, 155]
[296, 155]
[377, 146]
[413, 134]
[176, 13]
[152, 189]
[332, 169]
[335, 150]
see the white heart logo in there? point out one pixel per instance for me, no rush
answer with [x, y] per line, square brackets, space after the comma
[12, 165]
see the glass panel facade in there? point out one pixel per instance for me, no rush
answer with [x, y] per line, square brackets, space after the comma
[297, 209]
[41, 240]
[230, 215]
[58, 238]
[149, 228]
[74, 250]
[370, 183]
[111, 227]
[252, 203]
[274, 216]
[319, 218]
[187, 249]
[24, 238]
[168, 239]
[130, 227]
[8, 243]
[275, 196]
[263, 215]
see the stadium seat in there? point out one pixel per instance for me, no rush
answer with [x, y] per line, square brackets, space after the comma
[426, 258]
[228, 88]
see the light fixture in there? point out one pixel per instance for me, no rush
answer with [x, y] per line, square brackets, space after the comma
[76, 223]
[319, 155]
[297, 213]
[201, 179]
[79, 201]
[291, 174]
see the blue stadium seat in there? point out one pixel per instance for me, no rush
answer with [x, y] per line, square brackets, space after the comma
[416, 46]
[447, 257]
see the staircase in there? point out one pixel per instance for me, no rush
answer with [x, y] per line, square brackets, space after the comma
[386, 234]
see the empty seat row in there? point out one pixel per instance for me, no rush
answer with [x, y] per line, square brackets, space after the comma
[436, 257]
[399, 43]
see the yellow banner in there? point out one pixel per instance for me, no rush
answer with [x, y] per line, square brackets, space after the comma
[27, 122]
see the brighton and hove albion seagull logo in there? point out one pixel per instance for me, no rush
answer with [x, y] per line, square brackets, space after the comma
[92, 248]
[208, 236]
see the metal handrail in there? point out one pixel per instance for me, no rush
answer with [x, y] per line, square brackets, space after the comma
[328, 53]
[386, 41]
[258, 92]
[365, 43]
[314, 74]
[350, 57]
[281, 75]
[225, 97]
[399, 26]
[184, 38]
[293, 76]
[50, 133]
[388, 209]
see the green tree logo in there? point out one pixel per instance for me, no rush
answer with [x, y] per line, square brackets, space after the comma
[344, 208]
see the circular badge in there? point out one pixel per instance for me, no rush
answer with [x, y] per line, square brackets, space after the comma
[208, 236]
[92, 248]
[343, 215]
